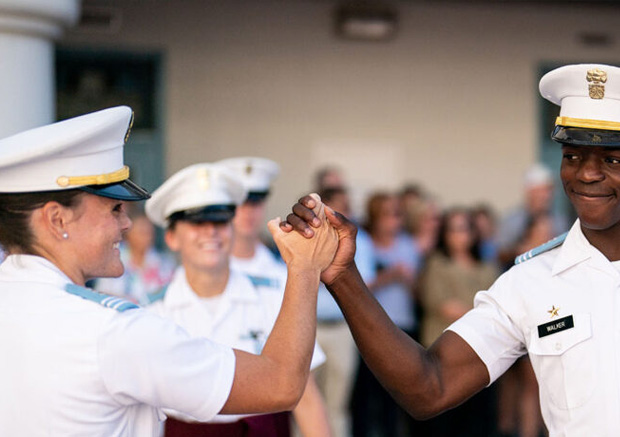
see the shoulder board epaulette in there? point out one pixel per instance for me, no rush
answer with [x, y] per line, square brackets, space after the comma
[261, 281]
[158, 295]
[551, 244]
[117, 303]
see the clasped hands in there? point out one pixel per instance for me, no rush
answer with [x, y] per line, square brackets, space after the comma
[314, 235]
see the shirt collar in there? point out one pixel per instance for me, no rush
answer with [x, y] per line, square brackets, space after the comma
[32, 268]
[239, 289]
[576, 249]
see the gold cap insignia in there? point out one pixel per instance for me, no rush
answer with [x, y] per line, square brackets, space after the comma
[596, 78]
[203, 179]
[248, 169]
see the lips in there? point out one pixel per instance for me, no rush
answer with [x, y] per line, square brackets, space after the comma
[592, 195]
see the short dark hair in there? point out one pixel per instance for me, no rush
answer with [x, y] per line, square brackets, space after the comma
[16, 210]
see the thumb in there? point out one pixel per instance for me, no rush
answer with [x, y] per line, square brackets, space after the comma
[335, 218]
[274, 227]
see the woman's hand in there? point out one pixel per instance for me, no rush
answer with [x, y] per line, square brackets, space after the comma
[298, 251]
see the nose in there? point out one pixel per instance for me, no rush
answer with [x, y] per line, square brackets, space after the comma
[207, 228]
[126, 223]
[590, 170]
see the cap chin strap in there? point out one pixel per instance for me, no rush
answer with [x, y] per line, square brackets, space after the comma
[100, 179]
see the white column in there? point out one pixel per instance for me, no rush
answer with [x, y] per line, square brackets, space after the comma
[27, 32]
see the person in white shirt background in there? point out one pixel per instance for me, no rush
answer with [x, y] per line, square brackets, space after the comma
[78, 362]
[209, 299]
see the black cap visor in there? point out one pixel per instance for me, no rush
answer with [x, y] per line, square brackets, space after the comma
[257, 196]
[578, 136]
[211, 213]
[124, 190]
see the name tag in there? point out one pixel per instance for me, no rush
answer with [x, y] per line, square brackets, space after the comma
[558, 325]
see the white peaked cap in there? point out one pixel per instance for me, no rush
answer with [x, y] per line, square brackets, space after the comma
[257, 174]
[194, 189]
[588, 95]
[81, 152]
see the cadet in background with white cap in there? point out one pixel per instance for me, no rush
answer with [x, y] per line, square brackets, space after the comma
[206, 297]
[559, 304]
[249, 253]
[78, 362]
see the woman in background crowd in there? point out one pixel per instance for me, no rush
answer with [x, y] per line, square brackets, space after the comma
[421, 219]
[454, 273]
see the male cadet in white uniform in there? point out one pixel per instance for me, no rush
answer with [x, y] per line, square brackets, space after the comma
[207, 298]
[249, 253]
[79, 363]
[560, 303]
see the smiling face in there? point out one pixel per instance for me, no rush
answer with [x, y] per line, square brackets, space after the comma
[203, 246]
[591, 180]
[94, 234]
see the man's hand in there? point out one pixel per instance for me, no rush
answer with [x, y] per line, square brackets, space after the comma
[305, 221]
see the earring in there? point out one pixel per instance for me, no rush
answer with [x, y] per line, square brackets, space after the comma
[65, 235]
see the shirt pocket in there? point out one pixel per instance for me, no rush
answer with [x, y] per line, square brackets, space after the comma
[564, 363]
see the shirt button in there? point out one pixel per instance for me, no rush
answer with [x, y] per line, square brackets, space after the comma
[558, 346]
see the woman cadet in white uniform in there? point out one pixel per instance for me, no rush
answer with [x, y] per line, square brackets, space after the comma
[249, 253]
[196, 206]
[560, 304]
[78, 363]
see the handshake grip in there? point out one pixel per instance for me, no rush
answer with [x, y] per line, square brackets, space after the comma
[311, 253]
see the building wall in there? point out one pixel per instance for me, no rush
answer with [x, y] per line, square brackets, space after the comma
[451, 102]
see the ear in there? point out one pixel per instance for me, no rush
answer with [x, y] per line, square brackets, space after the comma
[170, 237]
[55, 218]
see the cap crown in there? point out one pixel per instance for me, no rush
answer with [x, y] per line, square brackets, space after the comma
[257, 174]
[588, 95]
[85, 150]
[197, 186]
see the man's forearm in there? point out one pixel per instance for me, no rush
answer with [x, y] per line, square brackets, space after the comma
[416, 378]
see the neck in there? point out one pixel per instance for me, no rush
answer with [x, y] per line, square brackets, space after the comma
[384, 239]
[463, 258]
[244, 247]
[605, 240]
[207, 283]
[137, 257]
[68, 267]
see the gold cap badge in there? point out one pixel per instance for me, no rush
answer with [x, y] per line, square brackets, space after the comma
[596, 78]
[203, 179]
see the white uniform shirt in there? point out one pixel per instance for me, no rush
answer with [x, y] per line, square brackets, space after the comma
[563, 308]
[72, 367]
[244, 317]
[264, 268]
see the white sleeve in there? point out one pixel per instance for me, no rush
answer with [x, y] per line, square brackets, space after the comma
[147, 359]
[491, 332]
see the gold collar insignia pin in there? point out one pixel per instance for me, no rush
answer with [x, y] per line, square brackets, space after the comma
[554, 311]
